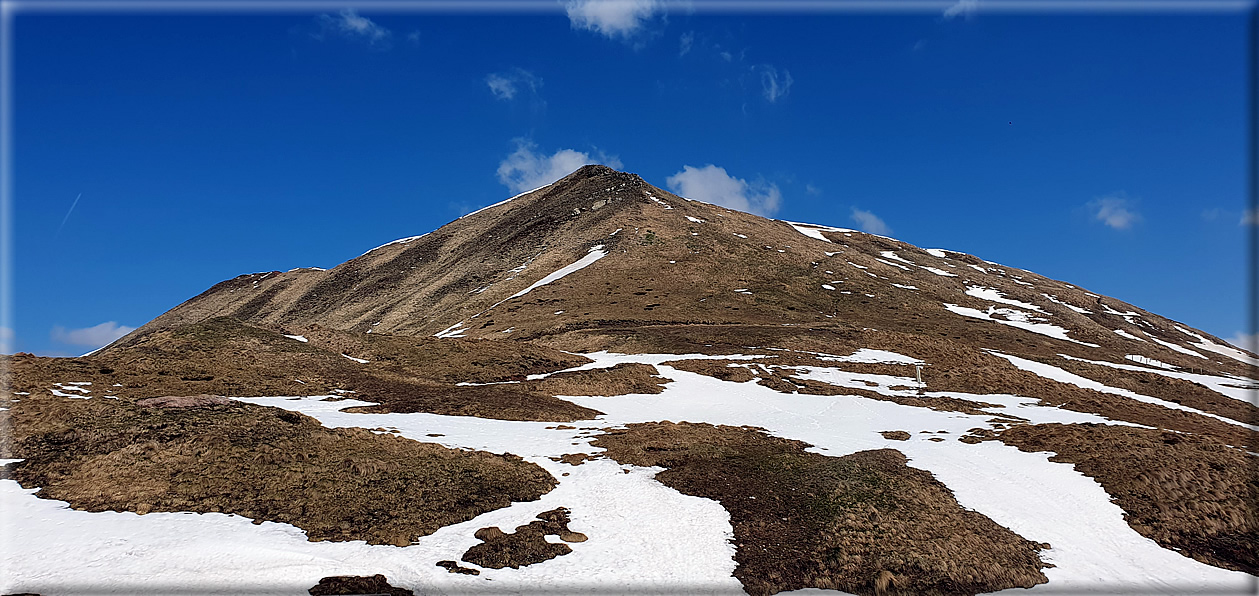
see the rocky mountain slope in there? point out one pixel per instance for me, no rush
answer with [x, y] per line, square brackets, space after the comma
[657, 394]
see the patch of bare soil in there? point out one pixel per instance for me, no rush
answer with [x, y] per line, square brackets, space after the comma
[527, 545]
[514, 401]
[622, 379]
[864, 523]
[717, 369]
[1186, 492]
[228, 358]
[258, 462]
[895, 435]
[339, 585]
[454, 567]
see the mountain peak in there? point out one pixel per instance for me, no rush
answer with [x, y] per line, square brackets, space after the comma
[593, 171]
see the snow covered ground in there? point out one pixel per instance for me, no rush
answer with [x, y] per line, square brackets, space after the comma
[642, 534]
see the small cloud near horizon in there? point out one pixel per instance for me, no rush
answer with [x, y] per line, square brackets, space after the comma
[1116, 211]
[350, 25]
[614, 19]
[505, 85]
[711, 184]
[1245, 341]
[685, 42]
[962, 8]
[1250, 217]
[92, 337]
[870, 223]
[773, 86]
[526, 168]
[6, 340]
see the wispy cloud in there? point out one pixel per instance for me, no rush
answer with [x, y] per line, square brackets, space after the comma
[773, 85]
[349, 24]
[414, 37]
[712, 184]
[505, 85]
[615, 19]
[1116, 211]
[870, 223]
[685, 42]
[527, 169]
[1250, 217]
[6, 340]
[1245, 341]
[812, 190]
[962, 8]
[93, 337]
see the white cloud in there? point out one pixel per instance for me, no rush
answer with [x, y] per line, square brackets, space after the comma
[1245, 341]
[526, 169]
[685, 42]
[870, 223]
[712, 184]
[505, 85]
[1250, 217]
[6, 340]
[1116, 211]
[965, 8]
[616, 19]
[349, 24]
[414, 37]
[774, 87]
[812, 190]
[93, 337]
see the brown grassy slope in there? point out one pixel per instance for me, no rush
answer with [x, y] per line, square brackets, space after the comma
[1185, 492]
[864, 523]
[224, 356]
[665, 269]
[263, 463]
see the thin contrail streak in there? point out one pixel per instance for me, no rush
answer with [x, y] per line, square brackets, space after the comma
[67, 217]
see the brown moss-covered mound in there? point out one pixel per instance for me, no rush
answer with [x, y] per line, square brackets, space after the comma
[258, 462]
[622, 379]
[527, 545]
[340, 585]
[1183, 491]
[226, 357]
[508, 401]
[864, 523]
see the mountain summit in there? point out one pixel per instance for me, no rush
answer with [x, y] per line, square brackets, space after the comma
[600, 252]
[598, 384]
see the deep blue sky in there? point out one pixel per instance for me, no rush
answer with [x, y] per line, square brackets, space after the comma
[210, 145]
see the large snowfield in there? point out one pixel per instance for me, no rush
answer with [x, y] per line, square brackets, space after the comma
[643, 536]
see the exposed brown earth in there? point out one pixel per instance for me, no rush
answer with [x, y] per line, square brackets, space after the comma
[1184, 491]
[895, 435]
[864, 523]
[527, 545]
[258, 462]
[227, 357]
[339, 585]
[622, 379]
[454, 567]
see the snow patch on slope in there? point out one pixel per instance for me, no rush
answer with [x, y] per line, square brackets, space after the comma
[1017, 318]
[594, 254]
